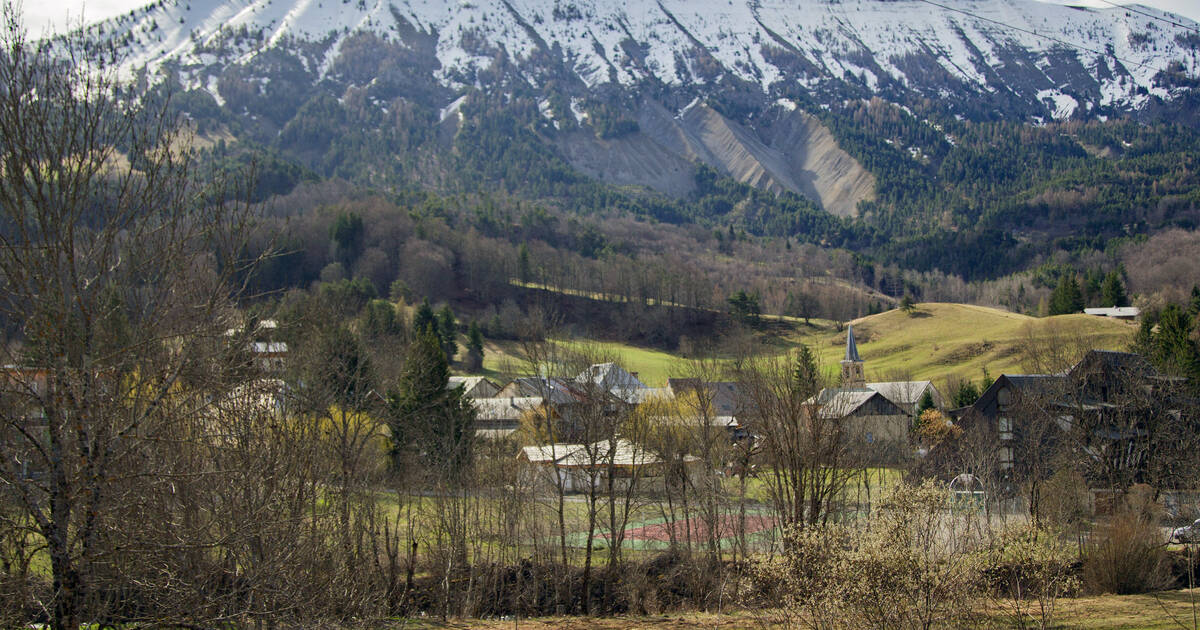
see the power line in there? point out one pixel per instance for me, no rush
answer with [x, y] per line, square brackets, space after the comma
[1037, 34]
[1130, 8]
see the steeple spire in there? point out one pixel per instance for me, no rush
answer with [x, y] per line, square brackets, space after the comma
[852, 365]
[851, 347]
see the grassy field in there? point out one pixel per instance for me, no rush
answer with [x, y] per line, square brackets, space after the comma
[1171, 609]
[958, 339]
[941, 340]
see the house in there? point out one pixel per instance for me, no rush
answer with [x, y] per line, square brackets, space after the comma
[868, 414]
[725, 397]
[908, 394]
[1109, 409]
[499, 417]
[269, 355]
[264, 395]
[878, 421]
[576, 467]
[1011, 397]
[1127, 313]
[474, 386]
[609, 377]
[614, 379]
[556, 391]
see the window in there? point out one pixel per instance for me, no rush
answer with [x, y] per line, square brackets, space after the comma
[1004, 426]
[1006, 458]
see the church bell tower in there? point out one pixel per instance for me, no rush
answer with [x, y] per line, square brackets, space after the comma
[852, 365]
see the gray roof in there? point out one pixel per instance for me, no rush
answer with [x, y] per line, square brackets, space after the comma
[839, 402]
[1114, 311]
[470, 385]
[692, 420]
[851, 346]
[609, 376]
[902, 392]
[498, 409]
[549, 453]
[556, 390]
[624, 453]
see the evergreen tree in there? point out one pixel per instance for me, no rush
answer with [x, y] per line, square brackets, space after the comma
[1174, 350]
[1093, 290]
[381, 320]
[428, 420]
[423, 318]
[966, 394]
[1112, 293]
[346, 232]
[1194, 304]
[745, 307]
[1143, 339]
[474, 347]
[805, 377]
[524, 272]
[447, 329]
[339, 371]
[1066, 298]
[926, 403]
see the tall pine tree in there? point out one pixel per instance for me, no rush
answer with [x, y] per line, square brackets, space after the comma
[423, 319]
[1112, 292]
[447, 328]
[1066, 298]
[430, 422]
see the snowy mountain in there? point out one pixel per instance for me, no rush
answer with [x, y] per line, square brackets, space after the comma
[637, 93]
[1065, 59]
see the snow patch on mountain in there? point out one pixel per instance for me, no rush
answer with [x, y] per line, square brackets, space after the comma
[695, 41]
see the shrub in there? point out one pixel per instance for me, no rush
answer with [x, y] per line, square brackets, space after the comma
[914, 567]
[1028, 569]
[1126, 554]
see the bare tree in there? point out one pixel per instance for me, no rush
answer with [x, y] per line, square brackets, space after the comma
[118, 273]
[808, 449]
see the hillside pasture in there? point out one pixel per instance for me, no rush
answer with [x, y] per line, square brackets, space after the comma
[937, 342]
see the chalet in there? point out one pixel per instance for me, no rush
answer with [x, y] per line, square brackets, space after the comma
[867, 413]
[1108, 404]
[610, 377]
[556, 391]
[1012, 397]
[474, 386]
[269, 355]
[725, 397]
[576, 467]
[499, 417]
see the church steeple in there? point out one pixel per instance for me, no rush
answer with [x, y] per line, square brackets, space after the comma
[852, 365]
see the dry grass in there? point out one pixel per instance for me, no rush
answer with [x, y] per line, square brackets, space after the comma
[1162, 611]
[957, 340]
[943, 340]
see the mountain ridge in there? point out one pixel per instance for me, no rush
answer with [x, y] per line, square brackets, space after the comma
[1061, 60]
